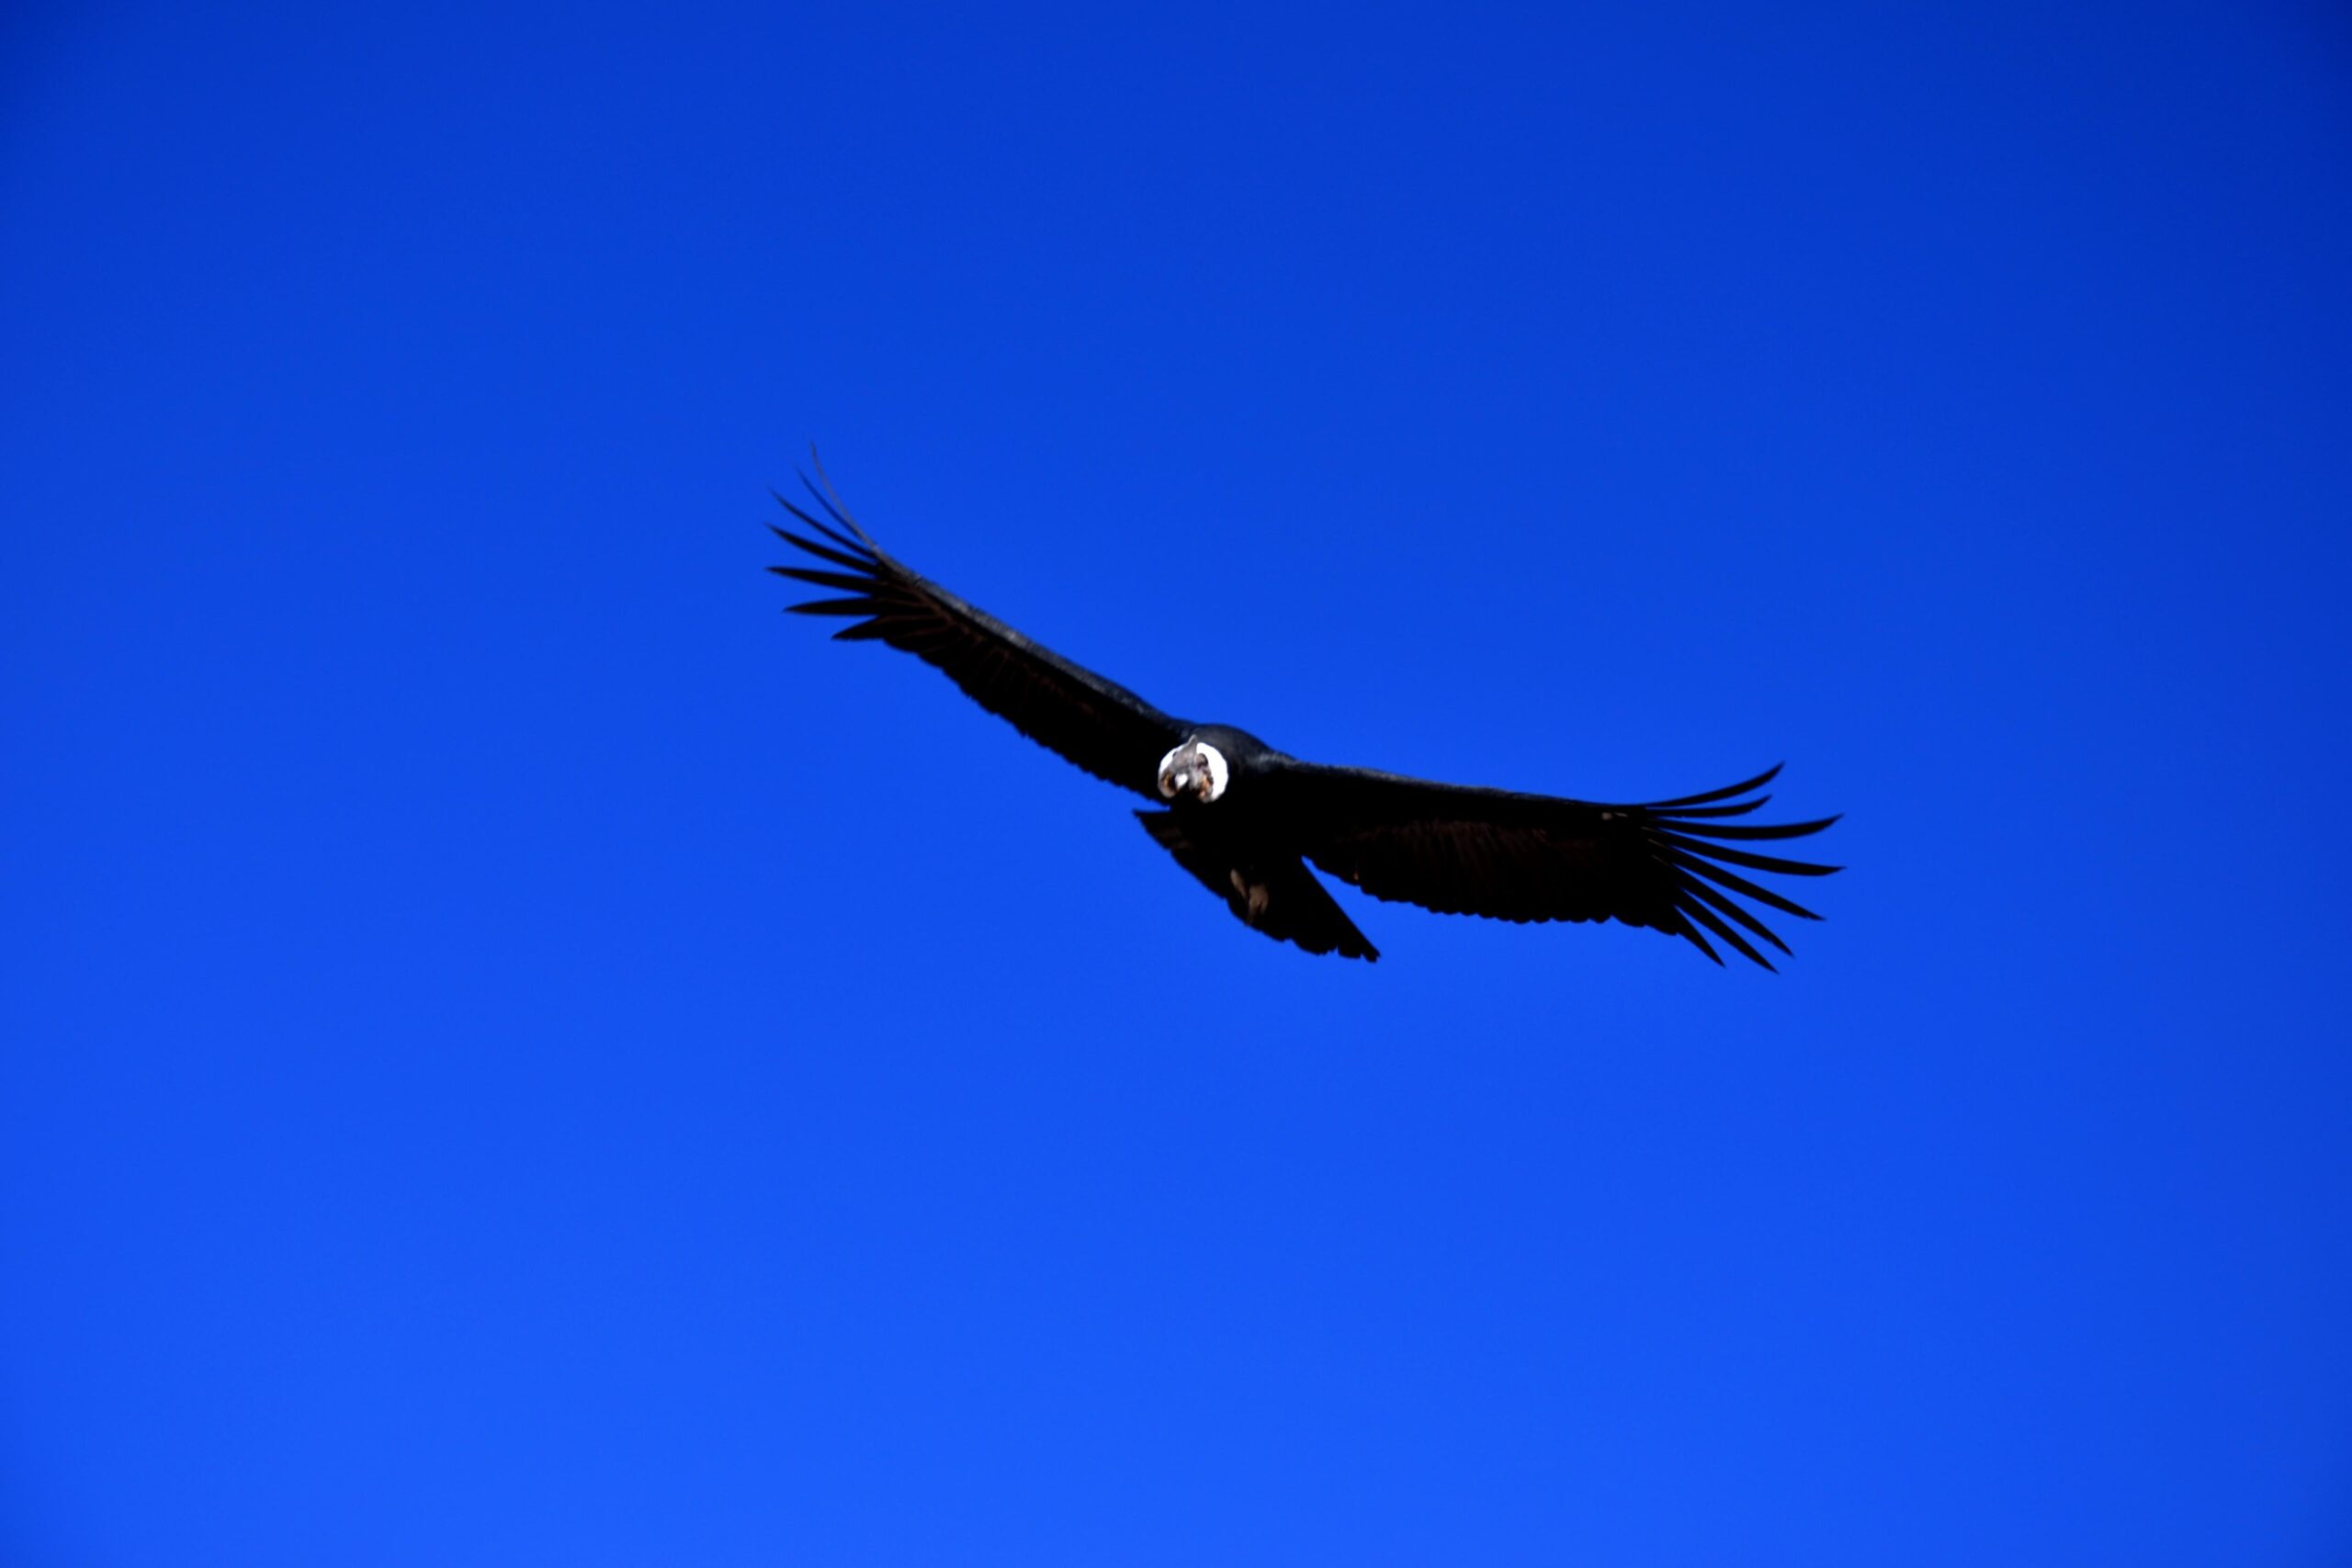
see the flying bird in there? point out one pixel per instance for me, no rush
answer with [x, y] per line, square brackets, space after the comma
[1247, 820]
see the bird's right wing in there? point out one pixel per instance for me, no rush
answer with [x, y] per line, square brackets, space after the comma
[1101, 726]
[1460, 849]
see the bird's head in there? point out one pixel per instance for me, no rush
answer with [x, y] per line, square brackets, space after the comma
[1195, 769]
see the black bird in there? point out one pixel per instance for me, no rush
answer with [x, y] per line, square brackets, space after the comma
[1245, 819]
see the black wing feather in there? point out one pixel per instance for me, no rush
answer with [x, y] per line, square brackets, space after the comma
[1532, 857]
[1103, 728]
[1740, 885]
[824, 552]
[835, 607]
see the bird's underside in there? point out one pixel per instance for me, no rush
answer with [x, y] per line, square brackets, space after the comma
[1265, 888]
[1247, 820]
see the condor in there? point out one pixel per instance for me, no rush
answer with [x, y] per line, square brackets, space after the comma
[1247, 820]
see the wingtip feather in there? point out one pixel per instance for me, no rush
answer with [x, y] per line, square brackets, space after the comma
[1759, 782]
[829, 498]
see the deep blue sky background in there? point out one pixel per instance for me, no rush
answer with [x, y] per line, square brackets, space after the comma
[515, 1052]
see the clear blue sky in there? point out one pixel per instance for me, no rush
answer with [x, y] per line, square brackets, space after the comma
[517, 1051]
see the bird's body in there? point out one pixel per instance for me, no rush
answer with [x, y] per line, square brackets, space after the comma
[1230, 823]
[1245, 820]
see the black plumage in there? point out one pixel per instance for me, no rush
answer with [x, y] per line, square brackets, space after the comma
[1245, 820]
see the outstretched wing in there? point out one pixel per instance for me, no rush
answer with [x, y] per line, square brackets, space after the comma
[1673, 865]
[1103, 728]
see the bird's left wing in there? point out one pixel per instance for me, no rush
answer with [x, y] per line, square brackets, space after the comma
[1666, 864]
[1101, 726]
